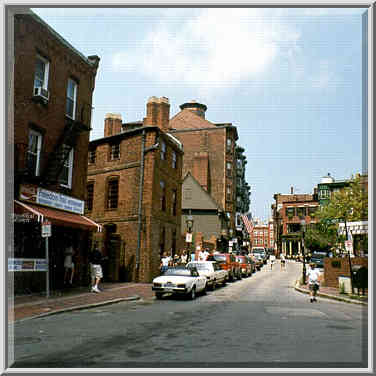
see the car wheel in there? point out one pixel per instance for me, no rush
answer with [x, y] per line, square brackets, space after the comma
[224, 282]
[158, 295]
[192, 294]
[214, 284]
[211, 286]
[205, 289]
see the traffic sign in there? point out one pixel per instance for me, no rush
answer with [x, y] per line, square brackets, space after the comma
[46, 229]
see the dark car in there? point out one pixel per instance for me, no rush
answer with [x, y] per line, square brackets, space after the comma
[227, 261]
[318, 258]
[245, 265]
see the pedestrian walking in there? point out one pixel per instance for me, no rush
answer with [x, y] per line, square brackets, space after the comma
[183, 258]
[313, 277]
[283, 261]
[164, 262]
[272, 261]
[96, 259]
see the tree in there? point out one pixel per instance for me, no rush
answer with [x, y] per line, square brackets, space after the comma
[320, 236]
[350, 204]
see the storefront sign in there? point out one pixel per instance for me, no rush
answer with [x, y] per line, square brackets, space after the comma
[27, 265]
[37, 195]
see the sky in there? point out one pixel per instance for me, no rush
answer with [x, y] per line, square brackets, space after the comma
[289, 79]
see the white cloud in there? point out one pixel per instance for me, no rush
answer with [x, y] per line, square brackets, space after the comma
[213, 47]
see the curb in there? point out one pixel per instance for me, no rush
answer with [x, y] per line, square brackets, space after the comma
[77, 308]
[328, 296]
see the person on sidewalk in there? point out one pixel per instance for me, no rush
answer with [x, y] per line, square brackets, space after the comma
[68, 264]
[283, 261]
[313, 277]
[95, 259]
[272, 261]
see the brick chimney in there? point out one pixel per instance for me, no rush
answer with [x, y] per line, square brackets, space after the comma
[198, 108]
[158, 112]
[201, 169]
[112, 124]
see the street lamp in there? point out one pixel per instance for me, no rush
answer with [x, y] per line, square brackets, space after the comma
[303, 224]
[348, 252]
[189, 222]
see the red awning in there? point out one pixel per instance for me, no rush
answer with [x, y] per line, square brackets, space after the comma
[56, 217]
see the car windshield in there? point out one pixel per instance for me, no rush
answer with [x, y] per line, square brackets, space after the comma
[199, 266]
[219, 258]
[241, 259]
[179, 272]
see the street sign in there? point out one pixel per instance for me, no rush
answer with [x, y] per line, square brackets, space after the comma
[349, 246]
[46, 229]
[188, 237]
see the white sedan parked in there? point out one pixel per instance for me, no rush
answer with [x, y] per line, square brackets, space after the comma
[211, 270]
[179, 280]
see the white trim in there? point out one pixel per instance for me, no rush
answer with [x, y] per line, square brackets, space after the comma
[99, 227]
[39, 215]
[46, 71]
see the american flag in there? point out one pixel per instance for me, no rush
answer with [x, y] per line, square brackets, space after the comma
[248, 224]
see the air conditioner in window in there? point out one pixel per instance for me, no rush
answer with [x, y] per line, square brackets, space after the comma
[42, 93]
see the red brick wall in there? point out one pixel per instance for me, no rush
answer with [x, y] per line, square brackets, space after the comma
[331, 274]
[32, 38]
[126, 216]
[212, 142]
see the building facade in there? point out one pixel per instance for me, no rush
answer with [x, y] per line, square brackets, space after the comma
[53, 88]
[290, 214]
[210, 157]
[134, 190]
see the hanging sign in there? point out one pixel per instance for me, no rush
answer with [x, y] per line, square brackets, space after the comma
[46, 229]
[188, 237]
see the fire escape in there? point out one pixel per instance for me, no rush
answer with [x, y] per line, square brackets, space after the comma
[46, 168]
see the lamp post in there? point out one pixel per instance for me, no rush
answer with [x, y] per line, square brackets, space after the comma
[189, 222]
[303, 224]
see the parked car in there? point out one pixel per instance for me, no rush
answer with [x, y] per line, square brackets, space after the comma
[260, 251]
[245, 265]
[318, 258]
[179, 280]
[227, 261]
[212, 271]
[253, 263]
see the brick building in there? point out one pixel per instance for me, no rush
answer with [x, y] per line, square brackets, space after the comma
[134, 190]
[288, 213]
[53, 87]
[210, 156]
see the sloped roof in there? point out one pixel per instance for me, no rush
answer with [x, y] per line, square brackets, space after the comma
[201, 199]
[187, 119]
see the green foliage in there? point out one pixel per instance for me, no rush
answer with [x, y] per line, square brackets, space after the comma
[320, 237]
[350, 203]
[336, 264]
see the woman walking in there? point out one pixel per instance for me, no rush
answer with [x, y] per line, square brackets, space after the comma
[313, 278]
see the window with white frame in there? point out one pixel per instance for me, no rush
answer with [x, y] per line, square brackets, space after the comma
[115, 152]
[174, 159]
[229, 168]
[163, 150]
[65, 177]
[42, 67]
[71, 98]
[34, 152]
[229, 144]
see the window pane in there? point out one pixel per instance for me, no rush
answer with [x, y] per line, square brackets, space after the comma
[39, 73]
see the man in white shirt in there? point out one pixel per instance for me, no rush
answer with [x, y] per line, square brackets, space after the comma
[313, 277]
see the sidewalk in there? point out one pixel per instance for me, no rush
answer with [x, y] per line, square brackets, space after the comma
[31, 306]
[333, 293]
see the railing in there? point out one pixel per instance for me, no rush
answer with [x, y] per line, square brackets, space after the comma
[82, 113]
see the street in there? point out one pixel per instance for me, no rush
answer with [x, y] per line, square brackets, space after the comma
[258, 322]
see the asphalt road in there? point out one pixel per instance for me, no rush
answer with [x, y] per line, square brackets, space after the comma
[258, 322]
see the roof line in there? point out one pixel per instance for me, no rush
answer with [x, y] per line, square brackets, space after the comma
[60, 38]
